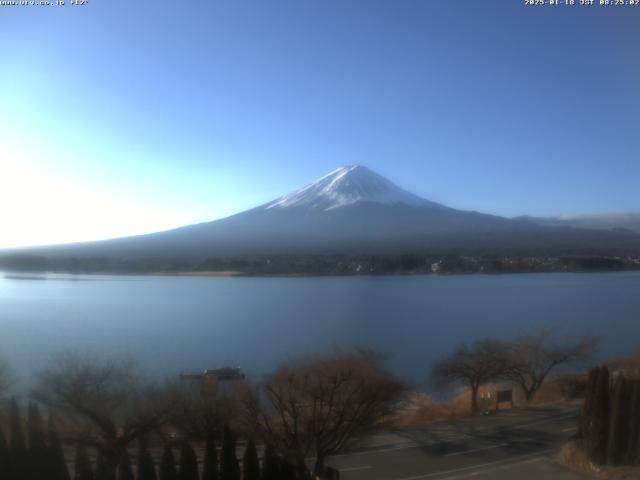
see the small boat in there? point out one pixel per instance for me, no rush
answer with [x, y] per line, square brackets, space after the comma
[223, 373]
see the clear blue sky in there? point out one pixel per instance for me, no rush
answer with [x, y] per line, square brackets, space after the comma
[128, 116]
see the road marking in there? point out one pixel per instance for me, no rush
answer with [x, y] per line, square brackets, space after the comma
[355, 469]
[476, 450]
[401, 446]
[492, 470]
[522, 425]
[449, 434]
[568, 429]
[378, 450]
[507, 462]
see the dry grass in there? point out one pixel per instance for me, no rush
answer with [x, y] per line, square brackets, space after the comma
[629, 362]
[424, 409]
[574, 458]
[556, 390]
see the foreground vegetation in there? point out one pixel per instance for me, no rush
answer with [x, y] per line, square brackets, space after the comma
[608, 440]
[305, 410]
[42, 457]
[526, 361]
[107, 422]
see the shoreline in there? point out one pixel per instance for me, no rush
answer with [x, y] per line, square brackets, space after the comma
[24, 275]
[204, 273]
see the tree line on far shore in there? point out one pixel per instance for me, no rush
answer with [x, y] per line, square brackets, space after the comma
[329, 264]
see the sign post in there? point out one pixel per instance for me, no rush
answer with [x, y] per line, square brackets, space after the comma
[504, 396]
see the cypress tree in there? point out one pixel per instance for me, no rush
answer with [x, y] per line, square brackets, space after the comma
[188, 463]
[618, 426]
[4, 457]
[229, 467]
[38, 456]
[287, 470]
[57, 464]
[168, 465]
[125, 472]
[210, 470]
[146, 467]
[103, 472]
[83, 469]
[584, 426]
[270, 465]
[250, 462]
[634, 424]
[599, 432]
[18, 450]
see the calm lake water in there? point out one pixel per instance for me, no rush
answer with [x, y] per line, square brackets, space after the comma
[172, 324]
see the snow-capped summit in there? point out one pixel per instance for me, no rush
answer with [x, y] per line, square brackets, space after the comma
[346, 186]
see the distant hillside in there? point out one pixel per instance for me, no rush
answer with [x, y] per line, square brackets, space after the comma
[611, 221]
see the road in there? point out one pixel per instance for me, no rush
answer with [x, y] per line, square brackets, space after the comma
[512, 444]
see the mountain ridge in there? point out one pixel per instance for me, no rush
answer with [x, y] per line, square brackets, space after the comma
[350, 211]
[606, 221]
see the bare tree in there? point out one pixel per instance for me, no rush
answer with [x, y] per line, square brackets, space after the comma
[316, 406]
[531, 358]
[474, 366]
[106, 403]
[197, 414]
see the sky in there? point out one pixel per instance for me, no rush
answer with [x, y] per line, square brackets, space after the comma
[123, 117]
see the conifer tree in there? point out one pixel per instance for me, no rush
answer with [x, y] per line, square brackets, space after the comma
[19, 461]
[82, 469]
[599, 431]
[103, 471]
[634, 425]
[229, 467]
[38, 455]
[250, 462]
[146, 467]
[125, 472]
[210, 470]
[584, 426]
[168, 469]
[270, 465]
[287, 470]
[4, 457]
[188, 463]
[619, 424]
[56, 463]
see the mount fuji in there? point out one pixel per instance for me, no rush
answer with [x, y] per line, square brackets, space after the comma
[352, 211]
[347, 186]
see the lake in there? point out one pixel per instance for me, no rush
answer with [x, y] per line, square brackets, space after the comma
[170, 324]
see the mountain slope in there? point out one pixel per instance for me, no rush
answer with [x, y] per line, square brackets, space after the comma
[353, 210]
